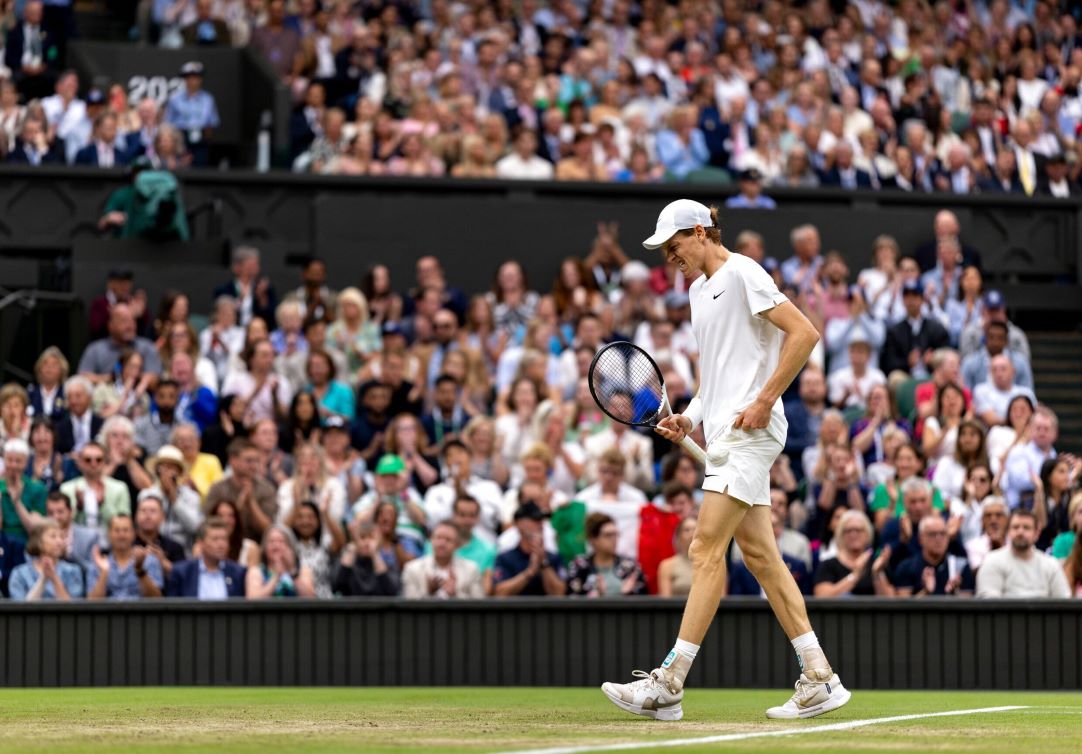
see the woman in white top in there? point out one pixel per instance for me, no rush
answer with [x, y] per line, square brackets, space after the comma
[950, 473]
[265, 394]
[311, 483]
[977, 487]
[568, 455]
[876, 280]
[486, 460]
[940, 431]
[223, 339]
[513, 428]
[1003, 437]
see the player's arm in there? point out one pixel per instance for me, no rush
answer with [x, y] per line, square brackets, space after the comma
[800, 338]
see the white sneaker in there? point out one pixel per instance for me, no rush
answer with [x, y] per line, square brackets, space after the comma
[653, 696]
[814, 696]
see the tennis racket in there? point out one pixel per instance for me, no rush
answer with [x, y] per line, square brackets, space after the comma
[627, 385]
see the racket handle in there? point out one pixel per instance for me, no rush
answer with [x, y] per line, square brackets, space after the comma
[693, 449]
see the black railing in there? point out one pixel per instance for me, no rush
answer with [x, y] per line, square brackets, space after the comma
[891, 644]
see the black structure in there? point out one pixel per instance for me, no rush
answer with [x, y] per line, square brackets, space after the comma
[241, 80]
[926, 644]
[475, 224]
[49, 238]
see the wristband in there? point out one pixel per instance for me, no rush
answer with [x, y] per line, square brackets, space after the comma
[694, 412]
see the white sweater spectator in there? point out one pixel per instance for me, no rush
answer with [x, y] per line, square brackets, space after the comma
[1006, 573]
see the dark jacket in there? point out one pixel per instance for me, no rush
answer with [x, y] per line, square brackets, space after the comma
[833, 177]
[88, 155]
[15, 45]
[34, 391]
[361, 580]
[222, 37]
[65, 433]
[901, 340]
[266, 313]
[184, 581]
[993, 186]
[55, 155]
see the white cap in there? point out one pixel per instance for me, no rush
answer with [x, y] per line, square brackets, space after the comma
[679, 215]
[17, 445]
[634, 271]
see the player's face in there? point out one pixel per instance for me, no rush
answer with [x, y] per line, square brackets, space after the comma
[685, 251]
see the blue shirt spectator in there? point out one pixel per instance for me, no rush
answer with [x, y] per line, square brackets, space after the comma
[751, 193]
[26, 576]
[124, 582]
[682, 149]
[46, 575]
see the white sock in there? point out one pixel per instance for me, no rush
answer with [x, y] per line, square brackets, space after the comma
[685, 648]
[802, 644]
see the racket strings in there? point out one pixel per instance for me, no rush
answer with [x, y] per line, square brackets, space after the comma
[626, 382]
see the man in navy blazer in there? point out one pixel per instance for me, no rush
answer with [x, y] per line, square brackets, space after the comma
[843, 173]
[212, 576]
[104, 151]
[32, 53]
[33, 147]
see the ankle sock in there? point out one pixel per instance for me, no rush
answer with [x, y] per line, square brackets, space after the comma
[805, 645]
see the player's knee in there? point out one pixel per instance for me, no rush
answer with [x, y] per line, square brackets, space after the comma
[706, 550]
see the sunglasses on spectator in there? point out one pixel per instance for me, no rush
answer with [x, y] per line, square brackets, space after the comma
[935, 533]
[93, 459]
[855, 530]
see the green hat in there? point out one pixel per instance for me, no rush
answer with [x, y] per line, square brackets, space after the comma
[390, 464]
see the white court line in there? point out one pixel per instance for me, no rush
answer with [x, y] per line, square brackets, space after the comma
[849, 725]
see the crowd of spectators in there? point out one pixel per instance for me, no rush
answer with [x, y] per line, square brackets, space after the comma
[412, 439]
[954, 96]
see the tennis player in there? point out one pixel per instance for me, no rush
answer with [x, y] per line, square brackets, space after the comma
[739, 317]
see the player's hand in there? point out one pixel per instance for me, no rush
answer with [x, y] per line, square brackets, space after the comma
[674, 428]
[755, 416]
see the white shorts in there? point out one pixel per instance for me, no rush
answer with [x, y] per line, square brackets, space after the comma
[738, 463]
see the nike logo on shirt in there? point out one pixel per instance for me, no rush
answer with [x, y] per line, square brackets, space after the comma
[718, 294]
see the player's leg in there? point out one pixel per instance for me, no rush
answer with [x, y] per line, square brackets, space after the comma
[660, 693]
[819, 689]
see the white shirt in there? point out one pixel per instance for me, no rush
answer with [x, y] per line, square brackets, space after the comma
[48, 400]
[987, 397]
[1060, 189]
[440, 501]
[637, 449]
[261, 407]
[624, 511]
[1004, 575]
[72, 124]
[738, 348]
[80, 430]
[844, 385]
[1022, 464]
[534, 168]
[332, 490]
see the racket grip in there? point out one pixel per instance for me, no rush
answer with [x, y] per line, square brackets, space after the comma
[693, 449]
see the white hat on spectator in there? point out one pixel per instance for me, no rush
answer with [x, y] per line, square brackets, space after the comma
[17, 446]
[634, 271]
[679, 215]
[167, 454]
